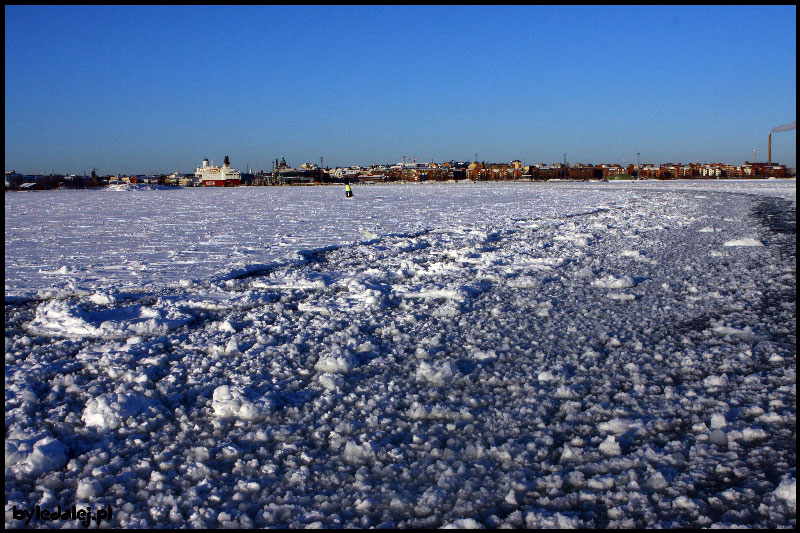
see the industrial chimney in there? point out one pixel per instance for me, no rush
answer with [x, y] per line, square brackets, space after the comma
[769, 156]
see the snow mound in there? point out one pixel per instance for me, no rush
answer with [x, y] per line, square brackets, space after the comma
[123, 187]
[103, 298]
[578, 239]
[747, 241]
[62, 318]
[622, 297]
[611, 282]
[296, 280]
[725, 331]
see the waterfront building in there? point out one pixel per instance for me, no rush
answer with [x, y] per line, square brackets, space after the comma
[494, 171]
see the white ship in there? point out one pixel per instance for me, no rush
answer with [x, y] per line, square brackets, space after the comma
[214, 176]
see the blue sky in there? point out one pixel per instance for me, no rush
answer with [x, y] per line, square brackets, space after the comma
[156, 89]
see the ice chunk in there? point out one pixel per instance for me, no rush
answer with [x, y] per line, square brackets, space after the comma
[545, 376]
[610, 282]
[571, 454]
[430, 501]
[610, 446]
[716, 382]
[749, 435]
[633, 254]
[656, 483]
[436, 373]
[620, 426]
[110, 411]
[463, 523]
[88, 489]
[13, 454]
[436, 412]
[358, 453]
[230, 402]
[787, 490]
[718, 437]
[682, 502]
[336, 363]
[578, 239]
[331, 381]
[232, 347]
[718, 421]
[725, 331]
[542, 519]
[481, 355]
[48, 455]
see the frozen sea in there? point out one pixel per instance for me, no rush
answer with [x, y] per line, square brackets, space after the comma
[589, 355]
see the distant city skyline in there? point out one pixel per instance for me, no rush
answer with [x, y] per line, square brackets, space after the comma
[149, 89]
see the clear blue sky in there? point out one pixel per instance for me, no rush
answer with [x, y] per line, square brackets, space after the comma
[156, 89]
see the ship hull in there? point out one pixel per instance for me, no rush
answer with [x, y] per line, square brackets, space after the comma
[221, 183]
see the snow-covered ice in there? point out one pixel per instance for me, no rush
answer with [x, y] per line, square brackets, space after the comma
[433, 355]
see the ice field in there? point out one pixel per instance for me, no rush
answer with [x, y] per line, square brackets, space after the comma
[592, 355]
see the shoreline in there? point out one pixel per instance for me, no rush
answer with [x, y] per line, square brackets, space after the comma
[141, 186]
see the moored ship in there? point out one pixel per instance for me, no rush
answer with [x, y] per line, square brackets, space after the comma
[214, 176]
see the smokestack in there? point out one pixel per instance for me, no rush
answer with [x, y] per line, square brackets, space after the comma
[769, 156]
